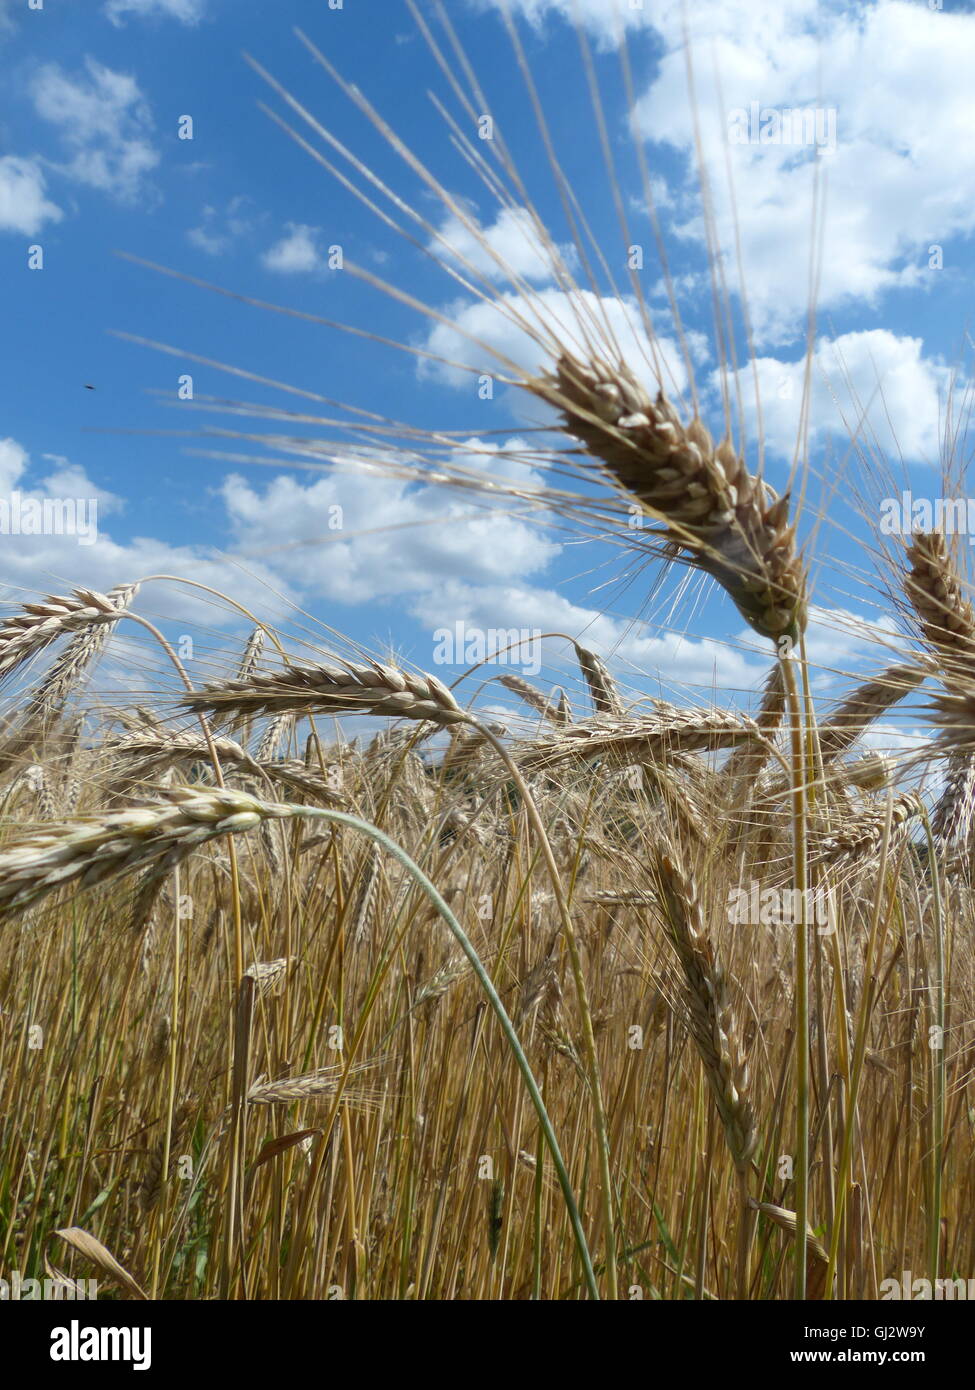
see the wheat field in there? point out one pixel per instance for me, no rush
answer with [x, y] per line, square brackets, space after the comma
[329, 976]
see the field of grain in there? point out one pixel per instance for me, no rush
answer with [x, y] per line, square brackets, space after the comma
[329, 977]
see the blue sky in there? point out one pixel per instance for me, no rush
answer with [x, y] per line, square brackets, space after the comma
[91, 163]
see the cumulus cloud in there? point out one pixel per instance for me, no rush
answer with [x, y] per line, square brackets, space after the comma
[900, 179]
[296, 253]
[23, 205]
[874, 382]
[632, 653]
[105, 123]
[30, 561]
[528, 332]
[510, 246]
[354, 537]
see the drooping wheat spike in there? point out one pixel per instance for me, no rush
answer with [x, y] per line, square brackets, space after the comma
[728, 523]
[817, 1258]
[376, 688]
[312, 1085]
[77, 657]
[861, 837]
[864, 706]
[534, 698]
[602, 688]
[145, 754]
[668, 729]
[714, 1026]
[37, 625]
[93, 850]
[945, 616]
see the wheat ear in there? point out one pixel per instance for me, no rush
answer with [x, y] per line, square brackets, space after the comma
[669, 729]
[945, 616]
[37, 625]
[864, 706]
[727, 522]
[375, 688]
[713, 1024]
[602, 688]
[92, 850]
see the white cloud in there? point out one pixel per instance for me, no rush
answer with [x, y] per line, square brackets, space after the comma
[23, 206]
[186, 11]
[29, 562]
[874, 382]
[395, 538]
[220, 228]
[105, 122]
[528, 332]
[677, 660]
[901, 179]
[510, 246]
[295, 253]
